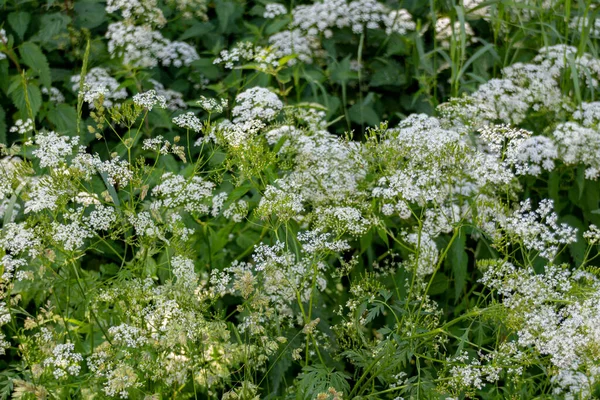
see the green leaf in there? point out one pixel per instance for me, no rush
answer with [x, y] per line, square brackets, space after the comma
[341, 72]
[3, 138]
[439, 284]
[64, 118]
[35, 99]
[89, 15]
[363, 112]
[51, 25]
[226, 14]
[458, 258]
[33, 57]
[196, 30]
[388, 74]
[19, 21]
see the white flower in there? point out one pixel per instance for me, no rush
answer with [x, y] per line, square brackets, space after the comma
[149, 99]
[53, 149]
[98, 83]
[188, 121]
[256, 103]
[64, 361]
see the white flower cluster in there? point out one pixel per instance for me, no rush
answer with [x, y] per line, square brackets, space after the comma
[517, 148]
[190, 8]
[212, 105]
[53, 149]
[551, 317]
[64, 361]
[579, 145]
[137, 11]
[256, 103]
[18, 239]
[54, 94]
[71, 236]
[5, 318]
[237, 211]
[246, 51]
[294, 42]
[127, 335]
[188, 121]
[192, 194]
[183, 269]
[149, 99]
[535, 87]
[316, 242]
[273, 10]
[173, 99]
[98, 83]
[323, 16]
[309, 23]
[141, 46]
[539, 229]
[22, 127]
[582, 23]
[446, 31]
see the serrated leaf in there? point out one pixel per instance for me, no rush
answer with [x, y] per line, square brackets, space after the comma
[35, 99]
[341, 72]
[89, 15]
[64, 118]
[51, 25]
[19, 22]
[33, 57]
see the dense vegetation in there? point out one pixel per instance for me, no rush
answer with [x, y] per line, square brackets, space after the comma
[308, 200]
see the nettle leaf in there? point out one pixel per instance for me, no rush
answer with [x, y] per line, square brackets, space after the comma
[33, 57]
[89, 14]
[50, 26]
[20, 100]
[363, 112]
[19, 22]
[388, 73]
[64, 118]
[341, 72]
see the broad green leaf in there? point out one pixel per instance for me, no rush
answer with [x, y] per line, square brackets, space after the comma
[341, 72]
[363, 112]
[64, 118]
[439, 284]
[388, 74]
[89, 15]
[197, 30]
[20, 101]
[226, 14]
[33, 57]
[19, 22]
[51, 25]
